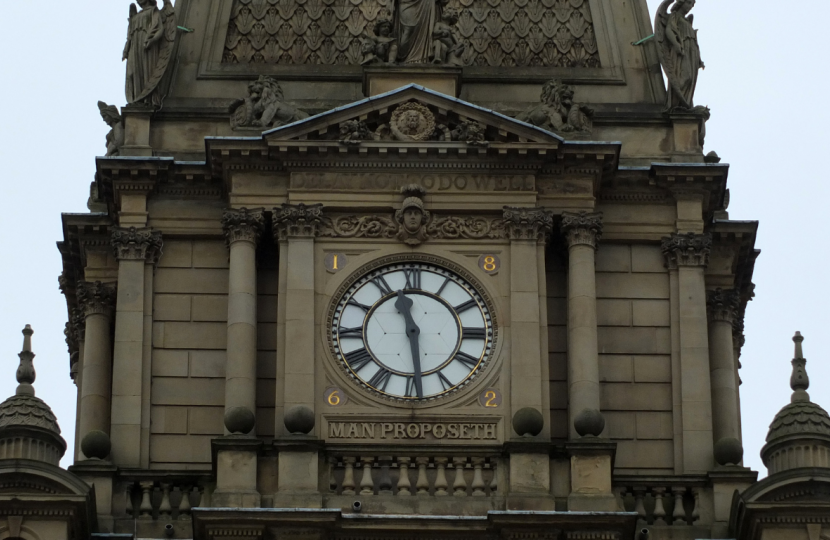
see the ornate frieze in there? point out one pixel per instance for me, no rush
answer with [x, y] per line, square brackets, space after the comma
[723, 305]
[688, 249]
[582, 228]
[297, 220]
[243, 225]
[131, 244]
[95, 297]
[527, 223]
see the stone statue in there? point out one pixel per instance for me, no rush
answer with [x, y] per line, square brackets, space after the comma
[115, 138]
[150, 40]
[679, 52]
[557, 110]
[446, 48]
[382, 48]
[414, 23]
[264, 107]
[412, 217]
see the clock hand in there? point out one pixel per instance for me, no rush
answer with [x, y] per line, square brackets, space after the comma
[404, 305]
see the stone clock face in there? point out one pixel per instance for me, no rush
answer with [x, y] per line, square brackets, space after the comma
[412, 331]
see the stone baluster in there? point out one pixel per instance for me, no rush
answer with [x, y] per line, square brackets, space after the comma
[242, 230]
[695, 508]
[205, 496]
[404, 486]
[478, 479]
[385, 479]
[165, 508]
[367, 483]
[129, 505]
[582, 232]
[459, 485]
[639, 505]
[723, 311]
[494, 483]
[441, 484]
[422, 484]
[348, 476]
[184, 503]
[96, 301]
[679, 513]
[146, 507]
[659, 509]
[332, 480]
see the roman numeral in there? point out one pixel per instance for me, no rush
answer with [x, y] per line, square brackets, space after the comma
[355, 303]
[445, 382]
[446, 282]
[471, 333]
[380, 379]
[381, 284]
[470, 361]
[356, 332]
[413, 278]
[357, 359]
[410, 386]
[471, 303]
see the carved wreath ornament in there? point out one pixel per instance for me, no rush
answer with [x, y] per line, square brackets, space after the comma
[412, 122]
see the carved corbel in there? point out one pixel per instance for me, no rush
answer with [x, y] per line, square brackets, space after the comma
[688, 249]
[528, 223]
[131, 244]
[243, 225]
[723, 305]
[297, 220]
[95, 297]
[582, 228]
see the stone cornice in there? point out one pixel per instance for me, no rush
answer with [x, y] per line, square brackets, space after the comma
[688, 249]
[297, 221]
[527, 223]
[723, 305]
[131, 244]
[582, 228]
[95, 297]
[243, 225]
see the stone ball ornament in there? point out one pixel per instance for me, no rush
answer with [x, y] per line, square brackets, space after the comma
[239, 420]
[528, 422]
[589, 423]
[729, 451]
[299, 420]
[96, 445]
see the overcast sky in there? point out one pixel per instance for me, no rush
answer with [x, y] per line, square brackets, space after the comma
[763, 82]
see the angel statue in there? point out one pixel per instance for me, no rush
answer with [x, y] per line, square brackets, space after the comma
[678, 50]
[150, 40]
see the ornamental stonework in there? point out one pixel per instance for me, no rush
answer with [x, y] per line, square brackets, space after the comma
[297, 220]
[132, 244]
[243, 225]
[723, 305]
[95, 297]
[582, 228]
[687, 249]
[527, 223]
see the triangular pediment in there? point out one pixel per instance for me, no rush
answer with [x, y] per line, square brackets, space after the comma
[410, 114]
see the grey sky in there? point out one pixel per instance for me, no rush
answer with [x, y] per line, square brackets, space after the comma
[762, 81]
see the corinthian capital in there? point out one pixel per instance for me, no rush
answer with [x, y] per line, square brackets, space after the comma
[527, 223]
[688, 249]
[297, 220]
[136, 244]
[582, 228]
[243, 225]
[95, 297]
[723, 304]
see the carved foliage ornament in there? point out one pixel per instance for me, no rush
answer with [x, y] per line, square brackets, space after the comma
[688, 249]
[723, 304]
[440, 228]
[297, 220]
[582, 228]
[528, 223]
[95, 297]
[243, 225]
[136, 244]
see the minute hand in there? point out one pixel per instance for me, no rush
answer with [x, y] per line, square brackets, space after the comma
[404, 305]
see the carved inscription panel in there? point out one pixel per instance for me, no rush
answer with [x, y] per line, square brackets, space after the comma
[468, 431]
[430, 182]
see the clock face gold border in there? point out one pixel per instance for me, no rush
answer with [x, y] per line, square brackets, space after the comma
[461, 277]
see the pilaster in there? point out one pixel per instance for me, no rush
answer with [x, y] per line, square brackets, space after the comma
[687, 256]
[135, 249]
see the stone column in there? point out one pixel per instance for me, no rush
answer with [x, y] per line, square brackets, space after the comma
[133, 248]
[298, 225]
[688, 255]
[723, 305]
[76, 332]
[96, 302]
[582, 231]
[242, 228]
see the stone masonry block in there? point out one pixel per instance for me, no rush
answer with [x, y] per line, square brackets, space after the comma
[210, 254]
[176, 254]
[266, 391]
[652, 368]
[210, 308]
[171, 307]
[206, 421]
[619, 425]
[168, 363]
[557, 339]
[188, 392]
[266, 308]
[613, 258]
[654, 425]
[557, 284]
[651, 313]
[209, 364]
[644, 455]
[558, 366]
[635, 397]
[191, 281]
[615, 340]
[616, 368]
[181, 335]
[559, 395]
[647, 259]
[557, 311]
[179, 449]
[613, 312]
[168, 420]
[265, 421]
[632, 285]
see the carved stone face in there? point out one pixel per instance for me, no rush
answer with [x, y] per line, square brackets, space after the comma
[411, 122]
[144, 4]
[412, 218]
[255, 90]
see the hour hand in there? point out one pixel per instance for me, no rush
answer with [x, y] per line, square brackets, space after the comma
[404, 305]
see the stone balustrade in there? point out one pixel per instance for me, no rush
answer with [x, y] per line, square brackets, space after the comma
[414, 475]
[673, 502]
[165, 498]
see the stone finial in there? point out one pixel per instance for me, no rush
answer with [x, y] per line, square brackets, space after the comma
[26, 371]
[799, 381]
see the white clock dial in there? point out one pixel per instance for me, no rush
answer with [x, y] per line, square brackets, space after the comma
[412, 331]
